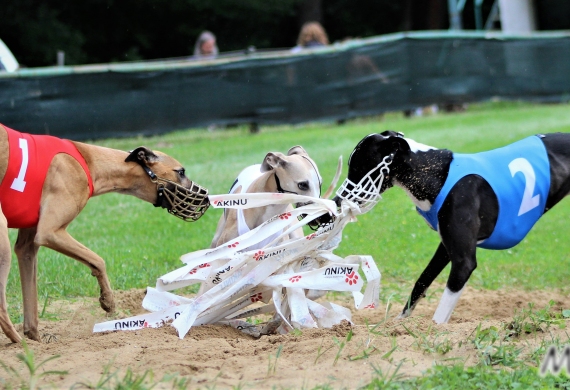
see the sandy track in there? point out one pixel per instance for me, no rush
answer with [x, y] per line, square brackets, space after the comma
[223, 357]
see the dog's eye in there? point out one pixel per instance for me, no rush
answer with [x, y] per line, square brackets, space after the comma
[303, 186]
[182, 172]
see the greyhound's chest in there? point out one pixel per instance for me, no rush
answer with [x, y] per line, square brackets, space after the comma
[29, 159]
[519, 174]
[244, 180]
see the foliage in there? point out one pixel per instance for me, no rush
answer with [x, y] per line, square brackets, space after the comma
[140, 243]
[139, 29]
[529, 321]
[32, 380]
[148, 29]
[460, 377]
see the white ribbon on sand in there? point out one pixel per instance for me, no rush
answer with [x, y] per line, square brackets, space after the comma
[274, 279]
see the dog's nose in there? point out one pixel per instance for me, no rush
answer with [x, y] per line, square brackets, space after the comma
[338, 200]
[327, 218]
[297, 205]
[322, 220]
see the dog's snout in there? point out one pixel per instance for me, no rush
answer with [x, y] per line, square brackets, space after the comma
[323, 220]
[338, 200]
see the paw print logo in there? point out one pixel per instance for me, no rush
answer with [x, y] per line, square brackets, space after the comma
[216, 202]
[146, 325]
[366, 264]
[294, 279]
[233, 245]
[205, 265]
[256, 297]
[285, 215]
[258, 255]
[311, 236]
[173, 303]
[351, 278]
[193, 271]
[371, 306]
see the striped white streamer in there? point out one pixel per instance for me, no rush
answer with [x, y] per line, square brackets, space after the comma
[237, 283]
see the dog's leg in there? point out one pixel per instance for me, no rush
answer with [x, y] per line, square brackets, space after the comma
[461, 270]
[219, 230]
[446, 306]
[438, 262]
[458, 229]
[5, 260]
[61, 241]
[27, 252]
[64, 195]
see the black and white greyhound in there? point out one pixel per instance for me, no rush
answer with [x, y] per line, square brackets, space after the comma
[489, 199]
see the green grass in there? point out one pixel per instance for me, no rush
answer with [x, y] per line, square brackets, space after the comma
[140, 243]
[460, 377]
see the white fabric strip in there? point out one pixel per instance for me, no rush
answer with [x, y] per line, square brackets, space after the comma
[232, 278]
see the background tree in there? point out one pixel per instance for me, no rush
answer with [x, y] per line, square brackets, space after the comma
[95, 31]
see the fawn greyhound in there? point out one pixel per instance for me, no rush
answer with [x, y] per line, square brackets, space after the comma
[294, 173]
[47, 181]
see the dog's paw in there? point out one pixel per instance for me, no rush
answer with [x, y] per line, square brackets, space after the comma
[404, 314]
[33, 334]
[107, 303]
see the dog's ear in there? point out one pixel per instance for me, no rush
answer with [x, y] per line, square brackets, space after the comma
[142, 155]
[396, 141]
[271, 161]
[392, 133]
[399, 145]
[297, 150]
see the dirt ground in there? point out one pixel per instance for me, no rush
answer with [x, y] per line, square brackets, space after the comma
[221, 357]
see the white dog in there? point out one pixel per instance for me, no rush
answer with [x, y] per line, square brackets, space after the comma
[293, 173]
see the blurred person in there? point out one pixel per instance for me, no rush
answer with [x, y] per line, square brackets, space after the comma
[312, 34]
[205, 46]
[361, 68]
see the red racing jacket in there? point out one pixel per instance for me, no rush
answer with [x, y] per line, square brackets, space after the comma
[29, 159]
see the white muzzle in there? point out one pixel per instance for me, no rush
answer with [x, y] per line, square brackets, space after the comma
[366, 193]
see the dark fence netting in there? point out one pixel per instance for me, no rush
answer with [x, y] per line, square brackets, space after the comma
[356, 78]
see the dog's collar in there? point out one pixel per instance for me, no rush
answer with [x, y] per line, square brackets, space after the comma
[279, 188]
[316, 171]
[149, 172]
[282, 191]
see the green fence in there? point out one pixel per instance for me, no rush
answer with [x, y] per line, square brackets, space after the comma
[355, 78]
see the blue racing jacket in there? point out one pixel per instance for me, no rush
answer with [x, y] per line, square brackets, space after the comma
[519, 174]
